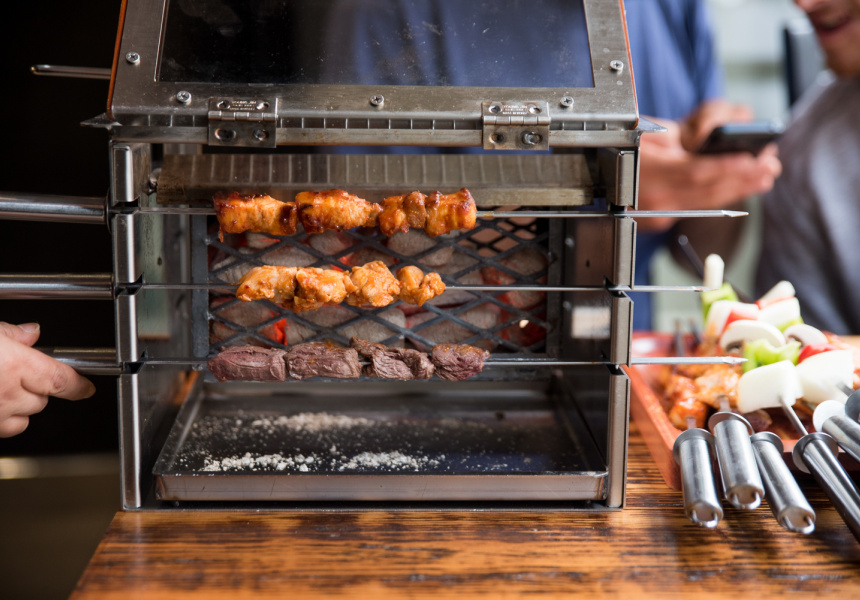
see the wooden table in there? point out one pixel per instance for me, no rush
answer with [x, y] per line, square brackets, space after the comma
[648, 549]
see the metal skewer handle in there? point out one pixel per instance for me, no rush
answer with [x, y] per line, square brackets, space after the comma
[816, 453]
[692, 452]
[787, 502]
[53, 209]
[67, 286]
[742, 482]
[846, 432]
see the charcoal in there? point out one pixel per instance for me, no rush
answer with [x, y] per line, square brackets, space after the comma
[249, 363]
[322, 359]
[456, 362]
[393, 363]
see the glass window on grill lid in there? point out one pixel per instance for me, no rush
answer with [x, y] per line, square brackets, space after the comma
[520, 43]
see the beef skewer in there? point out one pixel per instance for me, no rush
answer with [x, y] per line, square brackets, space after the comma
[453, 362]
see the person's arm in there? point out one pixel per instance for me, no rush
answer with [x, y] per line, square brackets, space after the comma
[674, 177]
[28, 377]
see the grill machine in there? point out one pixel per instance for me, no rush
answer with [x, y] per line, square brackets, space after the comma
[218, 96]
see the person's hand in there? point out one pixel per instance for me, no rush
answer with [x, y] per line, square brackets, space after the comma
[28, 377]
[673, 177]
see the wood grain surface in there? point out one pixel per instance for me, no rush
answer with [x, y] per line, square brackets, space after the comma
[647, 550]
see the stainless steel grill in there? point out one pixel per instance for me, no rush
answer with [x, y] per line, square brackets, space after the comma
[541, 281]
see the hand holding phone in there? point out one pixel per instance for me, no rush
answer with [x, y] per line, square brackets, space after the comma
[749, 137]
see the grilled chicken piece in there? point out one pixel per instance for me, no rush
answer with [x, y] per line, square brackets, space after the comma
[296, 288]
[261, 214]
[308, 288]
[375, 285]
[447, 212]
[418, 288]
[335, 209]
[399, 213]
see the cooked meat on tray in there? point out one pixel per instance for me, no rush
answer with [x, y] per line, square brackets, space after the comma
[393, 363]
[321, 359]
[260, 213]
[308, 288]
[337, 210]
[454, 362]
[249, 363]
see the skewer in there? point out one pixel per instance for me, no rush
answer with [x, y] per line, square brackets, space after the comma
[519, 362]
[465, 288]
[492, 214]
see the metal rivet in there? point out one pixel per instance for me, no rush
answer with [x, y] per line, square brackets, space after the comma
[531, 138]
[223, 104]
[183, 96]
[616, 65]
[566, 101]
[260, 134]
[534, 109]
[498, 138]
[494, 108]
[262, 105]
[132, 57]
[377, 100]
[225, 135]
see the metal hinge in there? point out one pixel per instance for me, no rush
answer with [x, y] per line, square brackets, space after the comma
[516, 125]
[243, 122]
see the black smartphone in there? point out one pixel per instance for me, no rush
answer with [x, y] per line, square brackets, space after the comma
[741, 137]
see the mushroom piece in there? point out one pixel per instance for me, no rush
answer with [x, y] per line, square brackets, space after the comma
[769, 386]
[805, 334]
[742, 331]
[826, 410]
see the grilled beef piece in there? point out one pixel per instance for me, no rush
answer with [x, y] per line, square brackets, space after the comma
[393, 363]
[456, 362]
[322, 359]
[249, 363]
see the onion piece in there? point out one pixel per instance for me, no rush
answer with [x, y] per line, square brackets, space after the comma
[768, 387]
[821, 375]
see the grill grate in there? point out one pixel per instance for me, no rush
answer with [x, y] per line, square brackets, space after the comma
[513, 251]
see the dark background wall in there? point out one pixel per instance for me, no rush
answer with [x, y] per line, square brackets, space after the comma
[46, 150]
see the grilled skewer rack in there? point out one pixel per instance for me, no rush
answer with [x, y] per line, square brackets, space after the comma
[549, 427]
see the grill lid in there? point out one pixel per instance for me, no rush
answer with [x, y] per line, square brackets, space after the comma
[516, 75]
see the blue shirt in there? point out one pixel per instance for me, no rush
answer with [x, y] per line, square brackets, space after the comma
[671, 46]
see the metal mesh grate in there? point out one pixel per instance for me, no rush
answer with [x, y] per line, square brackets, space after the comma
[514, 251]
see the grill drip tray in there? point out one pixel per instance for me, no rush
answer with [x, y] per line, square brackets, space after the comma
[405, 442]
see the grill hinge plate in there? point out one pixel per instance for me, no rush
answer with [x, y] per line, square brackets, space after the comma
[516, 125]
[248, 122]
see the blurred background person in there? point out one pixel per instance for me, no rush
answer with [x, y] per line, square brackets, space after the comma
[811, 219]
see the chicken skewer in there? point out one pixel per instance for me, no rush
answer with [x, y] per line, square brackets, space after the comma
[308, 288]
[436, 214]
